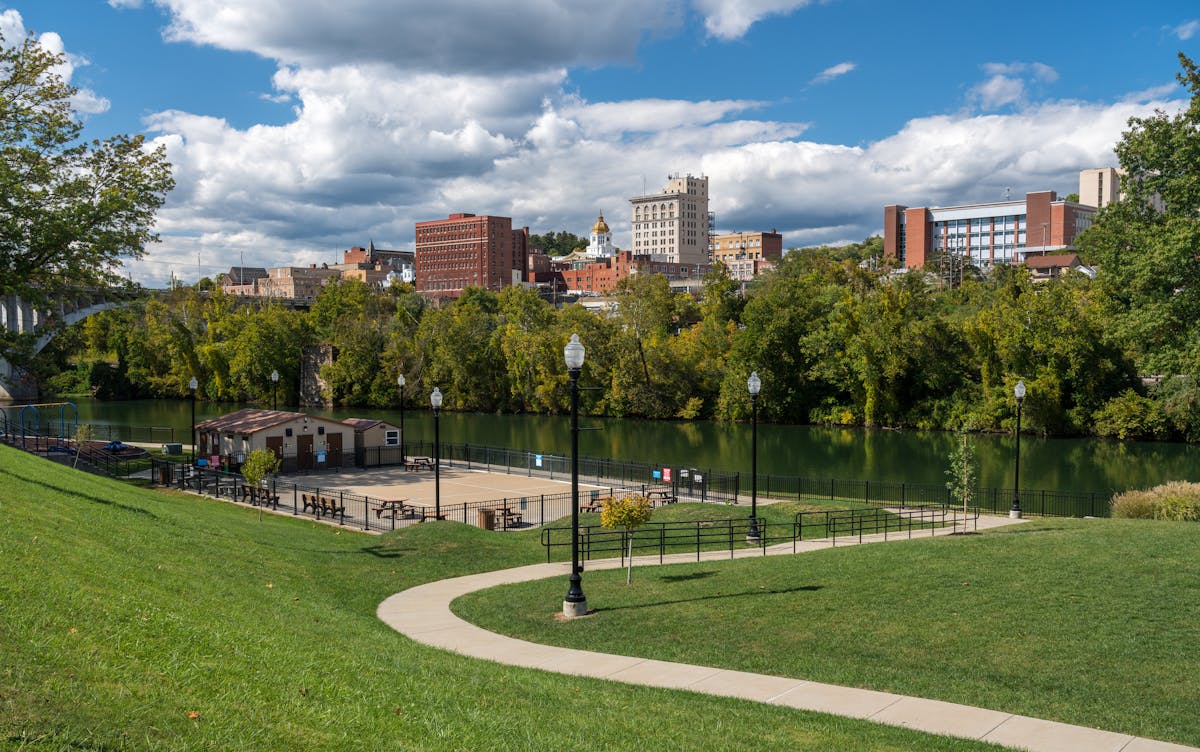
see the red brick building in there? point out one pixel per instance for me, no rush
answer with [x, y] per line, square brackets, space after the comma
[465, 250]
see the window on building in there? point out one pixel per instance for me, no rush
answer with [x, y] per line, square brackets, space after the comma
[391, 438]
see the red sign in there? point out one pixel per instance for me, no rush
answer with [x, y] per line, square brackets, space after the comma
[666, 475]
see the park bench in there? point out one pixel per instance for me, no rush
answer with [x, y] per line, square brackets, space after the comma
[331, 507]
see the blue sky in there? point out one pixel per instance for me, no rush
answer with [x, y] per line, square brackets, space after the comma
[301, 128]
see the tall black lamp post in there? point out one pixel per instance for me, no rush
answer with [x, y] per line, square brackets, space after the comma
[435, 399]
[754, 384]
[193, 385]
[400, 382]
[1015, 512]
[274, 389]
[575, 604]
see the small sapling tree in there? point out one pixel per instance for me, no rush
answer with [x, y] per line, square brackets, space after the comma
[630, 512]
[83, 434]
[259, 465]
[963, 474]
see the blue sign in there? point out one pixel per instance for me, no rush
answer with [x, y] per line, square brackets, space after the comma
[321, 456]
[537, 460]
[657, 474]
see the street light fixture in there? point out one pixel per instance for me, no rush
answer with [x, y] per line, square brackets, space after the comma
[435, 400]
[1015, 512]
[274, 389]
[400, 382]
[754, 384]
[193, 385]
[575, 604]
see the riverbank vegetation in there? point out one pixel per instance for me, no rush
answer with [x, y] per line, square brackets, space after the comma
[835, 335]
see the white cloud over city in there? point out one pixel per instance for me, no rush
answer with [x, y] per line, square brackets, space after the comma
[387, 130]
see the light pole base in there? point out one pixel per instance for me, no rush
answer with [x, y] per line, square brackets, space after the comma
[1014, 514]
[575, 610]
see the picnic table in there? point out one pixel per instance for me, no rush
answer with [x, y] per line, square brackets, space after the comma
[418, 463]
[594, 505]
[661, 496]
[395, 508]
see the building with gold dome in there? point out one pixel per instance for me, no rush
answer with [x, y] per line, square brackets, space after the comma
[600, 243]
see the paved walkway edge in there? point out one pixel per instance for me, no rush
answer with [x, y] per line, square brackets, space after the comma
[423, 614]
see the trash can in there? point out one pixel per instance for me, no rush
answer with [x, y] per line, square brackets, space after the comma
[487, 519]
[164, 475]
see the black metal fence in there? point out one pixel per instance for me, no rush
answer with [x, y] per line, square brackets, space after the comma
[686, 482]
[368, 513]
[731, 534]
[1034, 502]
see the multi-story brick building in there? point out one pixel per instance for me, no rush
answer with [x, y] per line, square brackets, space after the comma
[672, 225]
[986, 234]
[465, 250]
[747, 246]
[298, 283]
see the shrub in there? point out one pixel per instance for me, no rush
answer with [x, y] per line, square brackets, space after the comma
[1177, 500]
[1131, 416]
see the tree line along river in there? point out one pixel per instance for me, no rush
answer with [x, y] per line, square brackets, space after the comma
[1059, 464]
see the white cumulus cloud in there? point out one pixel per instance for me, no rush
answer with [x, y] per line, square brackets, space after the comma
[730, 19]
[833, 72]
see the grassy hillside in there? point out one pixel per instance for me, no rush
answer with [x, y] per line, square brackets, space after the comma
[1092, 622]
[135, 619]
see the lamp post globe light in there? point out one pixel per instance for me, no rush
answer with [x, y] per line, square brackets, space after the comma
[193, 385]
[575, 604]
[754, 385]
[435, 400]
[1015, 512]
[400, 382]
[274, 389]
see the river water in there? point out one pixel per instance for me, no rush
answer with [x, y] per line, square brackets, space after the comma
[1056, 464]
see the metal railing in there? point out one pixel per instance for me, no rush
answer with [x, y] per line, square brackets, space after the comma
[730, 534]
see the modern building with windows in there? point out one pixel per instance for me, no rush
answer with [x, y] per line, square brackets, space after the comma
[1005, 232]
[465, 250]
[672, 225]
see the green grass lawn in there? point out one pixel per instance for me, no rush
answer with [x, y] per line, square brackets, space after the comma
[1091, 622]
[138, 619]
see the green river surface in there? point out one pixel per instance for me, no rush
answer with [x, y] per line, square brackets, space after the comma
[1054, 464]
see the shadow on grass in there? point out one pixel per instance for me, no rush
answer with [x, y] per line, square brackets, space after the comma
[686, 577]
[75, 492]
[718, 596]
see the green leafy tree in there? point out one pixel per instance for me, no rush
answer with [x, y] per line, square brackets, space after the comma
[71, 209]
[629, 513]
[260, 464]
[1147, 245]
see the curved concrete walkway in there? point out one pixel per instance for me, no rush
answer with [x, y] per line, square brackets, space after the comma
[423, 614]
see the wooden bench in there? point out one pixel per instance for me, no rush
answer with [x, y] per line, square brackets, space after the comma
[259, 497]
[331, 507]
[310, 503]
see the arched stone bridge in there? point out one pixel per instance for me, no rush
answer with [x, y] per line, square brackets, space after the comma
[19, 316]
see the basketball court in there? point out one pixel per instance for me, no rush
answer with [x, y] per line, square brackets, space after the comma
[458, 485]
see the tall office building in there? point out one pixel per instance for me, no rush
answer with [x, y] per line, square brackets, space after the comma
[468, 251]
[672, 225]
